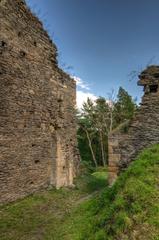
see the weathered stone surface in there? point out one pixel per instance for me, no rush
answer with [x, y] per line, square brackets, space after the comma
[143, 129]
[37, 122]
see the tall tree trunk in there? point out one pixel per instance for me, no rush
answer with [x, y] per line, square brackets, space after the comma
[91, 149]
[102, 149]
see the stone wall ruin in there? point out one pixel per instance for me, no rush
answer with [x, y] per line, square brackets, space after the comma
[143, 129]
[37, 104]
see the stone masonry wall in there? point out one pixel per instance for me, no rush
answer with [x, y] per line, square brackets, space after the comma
[37, 122]
[143, 129]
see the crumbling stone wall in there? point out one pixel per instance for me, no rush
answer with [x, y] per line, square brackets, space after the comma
[37, 122]
[143, 129]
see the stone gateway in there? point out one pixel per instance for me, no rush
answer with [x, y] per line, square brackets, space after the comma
[38, 144]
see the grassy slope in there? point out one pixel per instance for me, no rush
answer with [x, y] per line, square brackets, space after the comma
[47, 215]
[127, 211]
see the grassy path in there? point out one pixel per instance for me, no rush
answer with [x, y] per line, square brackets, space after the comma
[49, 215]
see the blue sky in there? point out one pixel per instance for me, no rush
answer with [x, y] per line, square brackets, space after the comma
[102, 40]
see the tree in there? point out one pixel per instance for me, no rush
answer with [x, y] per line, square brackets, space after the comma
[95, 122]
[124, 107]
[97, 119]
[102, 124]
[85, 121]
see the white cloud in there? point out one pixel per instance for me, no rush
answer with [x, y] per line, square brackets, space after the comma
[82, 97]
[81, 83]
[83, 92]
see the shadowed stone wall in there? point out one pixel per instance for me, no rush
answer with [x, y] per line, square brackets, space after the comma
[143, 130]
[37, 120]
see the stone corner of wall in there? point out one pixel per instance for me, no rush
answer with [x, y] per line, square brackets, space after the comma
[115, 139]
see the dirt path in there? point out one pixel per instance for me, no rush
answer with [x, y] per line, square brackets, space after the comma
[85, 198]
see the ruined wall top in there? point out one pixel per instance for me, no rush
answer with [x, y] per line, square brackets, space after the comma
[150, 76]
[142, 130]
[25, 23]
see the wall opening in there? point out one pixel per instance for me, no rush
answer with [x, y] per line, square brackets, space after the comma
[153, 88]
[3, 44]
[19, 34]
[37, 161]
[35, 43]
[22, 54]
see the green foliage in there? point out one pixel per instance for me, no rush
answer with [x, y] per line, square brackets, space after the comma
[84, 149]
[124, 107]
[94, 126]
[123, 127]
[129, 209]
[97, 120]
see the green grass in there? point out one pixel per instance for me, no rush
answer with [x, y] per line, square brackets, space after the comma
[92, 211]
[127, 211]
[48, 215]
